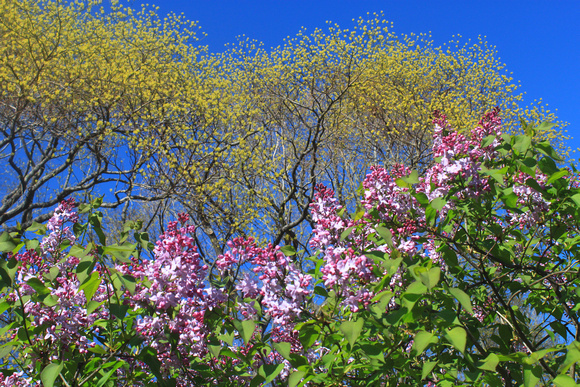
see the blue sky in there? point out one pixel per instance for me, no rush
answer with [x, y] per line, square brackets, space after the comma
[539, 41]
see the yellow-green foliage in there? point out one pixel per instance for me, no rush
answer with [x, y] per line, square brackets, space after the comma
[334, 102]
[241, 138]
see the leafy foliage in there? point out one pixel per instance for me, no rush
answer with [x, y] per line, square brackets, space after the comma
[405, 292]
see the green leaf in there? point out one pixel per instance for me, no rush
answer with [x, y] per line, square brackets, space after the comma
[270, 371]
[352, 330]
[377, 256]
[576, 199]
[556, 176]
[386, 234]
[122, 252]
[572, 356]
[37, 228]
[214, 349]
[564, 381]
[4, 306]
[544, 126]
[372, 351]
[38, 285]
[128, 282]
[416, 287]
[80, 253]
[85, 269]
[421, 341]
[51, 300]
[227, 337]
[288, 250]
[321, 291]
[430, 215]
[50, 373]
[328, 360]
[92, 305]
[431, 277]
[7, 244]
[149, 356]
[457, 337]
[95, 221]
[496, 174]
[510, 200]
[97, 202]
[534, 184]
[360, 212]
[246, 329]
[346, 233]
[383, 298]
[8, 270]
[32, 244]
[392, 265]
[142, 239]
[258, 381]
[427, 368]
[7, 348]
[91, 285]
[438, 203]
[527, 167]
[295, 378]
[546, 148]
[53, 272]
[308, 335]
[413, 178]
[463, 299]
[408, 181]
[548, 166]
[490, 362]
[522, 144]
[119, 311]
[422, 198]
[488, 140]
[106, 376]
[283, 349]
[532, 375]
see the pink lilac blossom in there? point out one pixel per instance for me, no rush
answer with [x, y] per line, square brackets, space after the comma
[272, 279]
[277, 281]
[347, 269]
[65, 323]
[178, 294]
[529, 198]
[59, 233]
[460, 156]
[17, 379]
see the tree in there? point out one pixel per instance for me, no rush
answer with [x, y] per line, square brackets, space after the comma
[397, 294]
[123, 104]
[325, 107]
[81, 91]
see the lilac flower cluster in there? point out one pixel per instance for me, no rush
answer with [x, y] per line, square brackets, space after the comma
[176, 294]
[347, 269]
[17, 379]
[59, 233]
[272, 277]
[66, 319]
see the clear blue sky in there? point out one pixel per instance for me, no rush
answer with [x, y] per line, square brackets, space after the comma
[539, 41]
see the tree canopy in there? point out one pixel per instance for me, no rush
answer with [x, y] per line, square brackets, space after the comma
[124, 104]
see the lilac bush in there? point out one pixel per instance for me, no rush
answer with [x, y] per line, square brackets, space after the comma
[464, 274]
